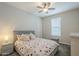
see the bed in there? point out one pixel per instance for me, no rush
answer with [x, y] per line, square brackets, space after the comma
[36, 46]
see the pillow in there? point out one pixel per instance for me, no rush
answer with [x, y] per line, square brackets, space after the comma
[23, 37]
[32, 36]
[18, 37]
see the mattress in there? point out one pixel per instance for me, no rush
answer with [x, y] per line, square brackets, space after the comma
[36, 47]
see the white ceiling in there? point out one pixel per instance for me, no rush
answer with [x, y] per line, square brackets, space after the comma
[30, 7]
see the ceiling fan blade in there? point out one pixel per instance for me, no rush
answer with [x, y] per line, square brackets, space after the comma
[51, 8]
[39, 7]
[43, 4]
[49, 4]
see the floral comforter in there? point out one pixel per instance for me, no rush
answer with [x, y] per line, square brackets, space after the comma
[35, 47]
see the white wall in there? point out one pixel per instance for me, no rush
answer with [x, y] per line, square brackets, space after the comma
[12, 18]
[69, 23]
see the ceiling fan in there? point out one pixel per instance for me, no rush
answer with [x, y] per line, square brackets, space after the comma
[44, 7]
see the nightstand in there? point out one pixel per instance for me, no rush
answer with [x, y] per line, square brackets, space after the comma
[7, 49]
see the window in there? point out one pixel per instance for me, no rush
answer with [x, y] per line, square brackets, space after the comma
[56, 26]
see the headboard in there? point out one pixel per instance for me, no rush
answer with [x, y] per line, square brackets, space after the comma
[22, 32]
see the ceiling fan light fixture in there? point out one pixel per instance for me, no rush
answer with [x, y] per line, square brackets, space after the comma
[45, 10]
[45, 7]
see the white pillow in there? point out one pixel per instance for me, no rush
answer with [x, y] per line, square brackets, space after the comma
[23, 37]
[18, 37]
[32, 36]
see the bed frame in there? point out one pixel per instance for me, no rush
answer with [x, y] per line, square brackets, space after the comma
[33, 32]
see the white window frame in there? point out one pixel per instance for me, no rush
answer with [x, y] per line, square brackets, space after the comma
[53, 31]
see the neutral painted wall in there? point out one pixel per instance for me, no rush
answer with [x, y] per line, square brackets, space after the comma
[19, 19]
[69, 24]
[12, 18]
